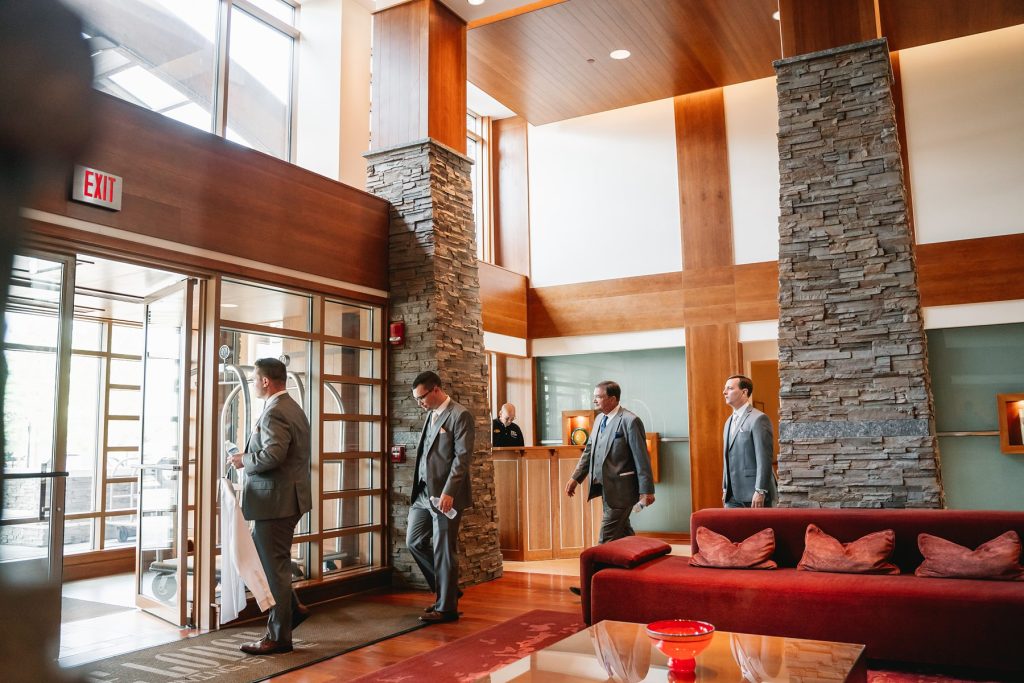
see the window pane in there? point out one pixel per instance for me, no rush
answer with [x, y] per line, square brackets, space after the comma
[123, 463]
[123, 402]
[351, 399]
[123, 496]
[349, 552]
[123, 433]
[84, 429]
[342, 513]
[278, 9]
[258, 305]
[87, 335]
[156, 54]
[351, 361]
[348, 475]
[259, 85]
[126, 339]
[78, 535]
[352, 321]
[346, 437]
[127, 372]
[120, 531]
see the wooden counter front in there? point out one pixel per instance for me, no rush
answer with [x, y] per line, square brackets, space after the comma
[536, 520]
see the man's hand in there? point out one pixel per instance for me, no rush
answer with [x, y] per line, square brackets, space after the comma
[758, 500]
[570, 487]
[236, 461]
[647, 499]
[444, 504]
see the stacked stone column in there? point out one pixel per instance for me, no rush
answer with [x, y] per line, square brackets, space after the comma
[856, 418]
[435, 291]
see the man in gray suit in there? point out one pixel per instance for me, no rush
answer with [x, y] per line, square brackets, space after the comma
[275, 494]
[440, 485]
[748, 479]
[617, 461]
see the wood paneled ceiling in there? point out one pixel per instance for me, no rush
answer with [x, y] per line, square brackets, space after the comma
[552, 62]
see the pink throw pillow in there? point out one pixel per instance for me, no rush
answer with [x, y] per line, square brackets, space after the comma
[867, 555]
[998, 559]
[718, 551]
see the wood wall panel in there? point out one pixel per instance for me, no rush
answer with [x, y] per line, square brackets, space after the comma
[908, 23]
[970, 271]
[709, 295]
[506, 493]
[196, 189]
[712, 354]
[503, 300]
[446, 98]
[520, 392]
[649, 302]
[539, 517]
[757, 291]
[571, 535]
[419, 64]
[813, 25]
[511, 183]
[705, 211]
[401, 67]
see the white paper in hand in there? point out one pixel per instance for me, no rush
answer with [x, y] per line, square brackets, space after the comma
[436, 502]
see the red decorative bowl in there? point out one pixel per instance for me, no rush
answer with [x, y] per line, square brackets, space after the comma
[681, 640]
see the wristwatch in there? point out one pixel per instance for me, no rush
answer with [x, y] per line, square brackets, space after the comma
[763, 492]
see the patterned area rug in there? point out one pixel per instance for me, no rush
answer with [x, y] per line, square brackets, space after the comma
[472, 657]
[333, 628]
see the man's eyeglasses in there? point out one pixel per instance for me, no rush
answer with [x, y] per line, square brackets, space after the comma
[423, 396]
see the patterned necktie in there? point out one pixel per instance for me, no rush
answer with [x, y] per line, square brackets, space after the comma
[604, 421]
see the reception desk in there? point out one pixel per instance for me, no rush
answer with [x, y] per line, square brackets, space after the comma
[536, 520]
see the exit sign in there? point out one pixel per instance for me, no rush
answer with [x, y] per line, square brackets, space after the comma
[97, 187]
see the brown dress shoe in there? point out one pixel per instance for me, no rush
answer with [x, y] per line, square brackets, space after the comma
[439, 617]
[265, 646]
[299, 615]
[431, 608]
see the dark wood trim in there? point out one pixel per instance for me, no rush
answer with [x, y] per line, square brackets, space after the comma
[503, 300]
[970, 271]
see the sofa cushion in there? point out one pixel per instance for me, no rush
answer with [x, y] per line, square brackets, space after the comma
[753, 552]
[869, 554]
[998, 559]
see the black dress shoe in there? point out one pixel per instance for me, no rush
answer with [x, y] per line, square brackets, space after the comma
[431, 608]
[299, 615]
[575, 590]
[439, 617]
[265, 646]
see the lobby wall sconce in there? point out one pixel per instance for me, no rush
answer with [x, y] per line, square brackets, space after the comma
[396, 333]
[1011, 422]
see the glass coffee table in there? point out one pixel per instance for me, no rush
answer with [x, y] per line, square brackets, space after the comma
[622, 652]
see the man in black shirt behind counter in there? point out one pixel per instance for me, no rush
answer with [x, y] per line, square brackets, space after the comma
[505, 432]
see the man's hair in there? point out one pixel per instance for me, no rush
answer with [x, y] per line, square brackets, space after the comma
[610, 388]
[428, 380]
[745, 383]
[272, 369]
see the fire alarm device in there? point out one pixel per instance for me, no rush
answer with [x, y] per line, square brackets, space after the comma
[396, 333]
[398, 453]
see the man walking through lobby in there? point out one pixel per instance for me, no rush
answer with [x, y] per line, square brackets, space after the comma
[617, 461]
[440, 488]
[748, 480]
[275, 494]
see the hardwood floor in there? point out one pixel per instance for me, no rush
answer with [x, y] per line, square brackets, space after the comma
[482, 606]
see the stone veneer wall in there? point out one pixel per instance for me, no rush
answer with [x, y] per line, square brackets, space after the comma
[856, 419]
[435, 290]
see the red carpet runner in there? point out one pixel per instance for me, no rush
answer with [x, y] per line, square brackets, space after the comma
[473, 657]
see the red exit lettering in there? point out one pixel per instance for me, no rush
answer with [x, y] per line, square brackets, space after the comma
[99, 186]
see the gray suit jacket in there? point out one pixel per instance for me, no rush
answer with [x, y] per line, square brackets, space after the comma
[748, 458]
[276, 461]
[448, 447]
[617, 461]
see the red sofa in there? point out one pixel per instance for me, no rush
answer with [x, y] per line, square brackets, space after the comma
[948, 622]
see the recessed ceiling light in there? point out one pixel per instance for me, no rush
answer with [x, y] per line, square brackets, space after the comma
[619, 54]
[476, 2]
[775, 15]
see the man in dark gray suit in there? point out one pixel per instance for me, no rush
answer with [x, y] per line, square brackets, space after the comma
[617, 461]
[275, 494]
[748, 479]
[440, 485]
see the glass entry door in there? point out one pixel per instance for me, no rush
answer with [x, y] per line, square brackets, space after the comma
[164, 555]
